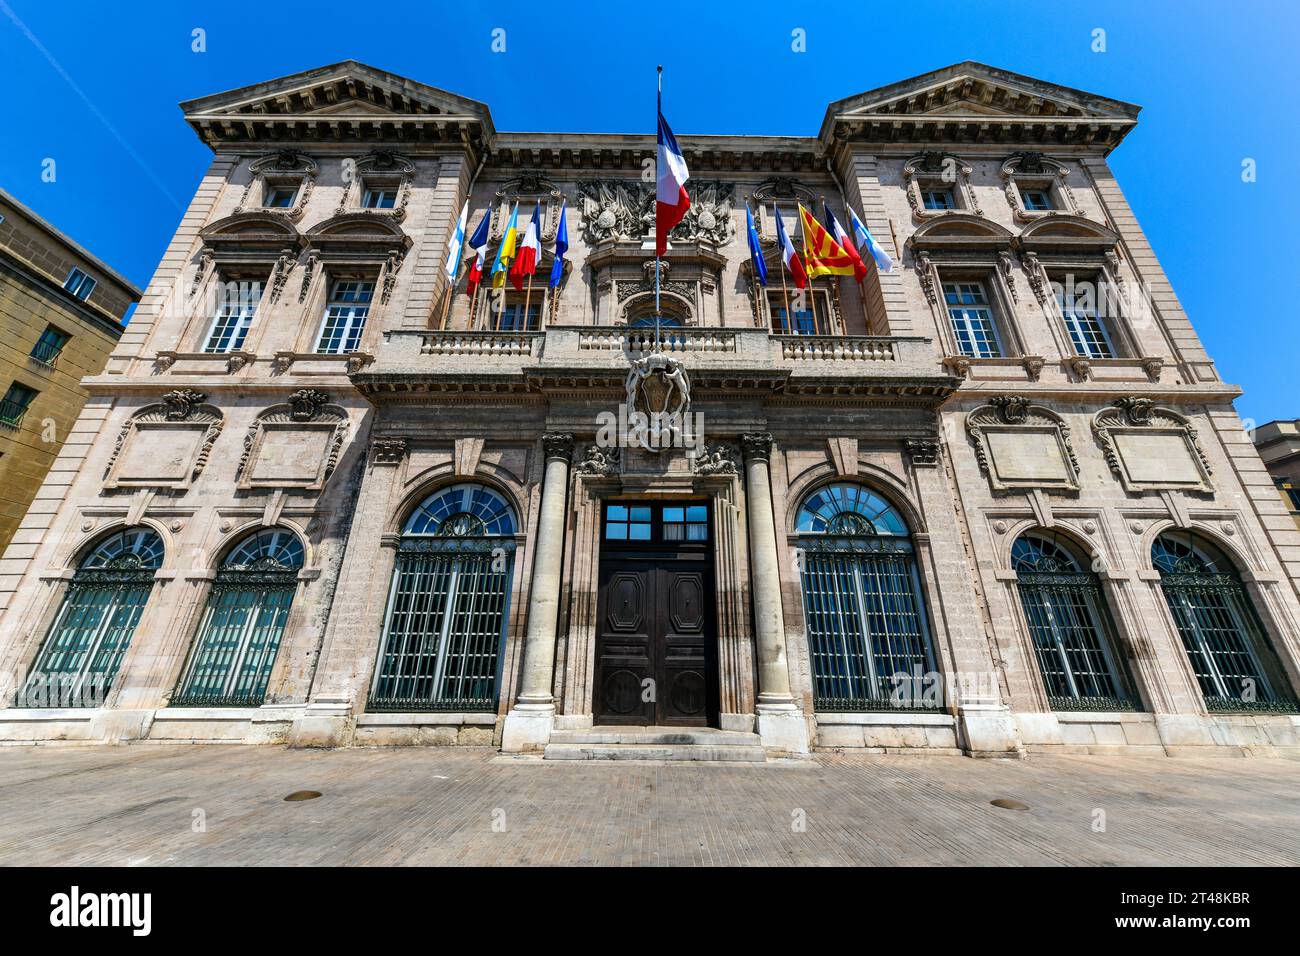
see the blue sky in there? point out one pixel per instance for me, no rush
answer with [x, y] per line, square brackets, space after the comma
[1215, 81]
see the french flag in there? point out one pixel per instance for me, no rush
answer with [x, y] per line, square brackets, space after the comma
[790, 257]
[671, 201]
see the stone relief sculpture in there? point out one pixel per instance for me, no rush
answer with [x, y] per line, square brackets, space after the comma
[1020, 445]
[600, 462]
[181, 431]
[658, 394]
[624, 211]
[295, 444]
[720, 459]
[1149, 448]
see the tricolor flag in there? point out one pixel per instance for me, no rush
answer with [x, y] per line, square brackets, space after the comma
[529, 249]
[755, 253]
[844, 242]
[506, 251]
[479, 243]
[671, 201]
[822, 255]
[788, 255]
[561, 247]
[863, 235]
[457, 244]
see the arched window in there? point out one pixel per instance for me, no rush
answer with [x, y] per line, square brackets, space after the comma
[85, 645]
[243, 622]
[446, 616]
[867, 629]
[1069, 626]
[1234, 665]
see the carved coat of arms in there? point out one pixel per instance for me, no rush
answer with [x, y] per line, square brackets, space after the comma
[658, 396]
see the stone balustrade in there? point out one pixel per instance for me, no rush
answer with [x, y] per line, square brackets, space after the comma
[480, 343]
[837, 348]
[672, 341]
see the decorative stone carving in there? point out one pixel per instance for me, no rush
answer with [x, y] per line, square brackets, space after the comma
[391, 268]
[623, 211]
[719, 460]
[1037, 276]
[280, 273]
[1150, 448]
[931, 167]
[295, 444]
[386, 164]
[756, 446]
[1008, 269]
[658, 388]
[1153, 366]
[165, 445]
[308, 271]
[925, 271]
[1080, 366]
[357, 361]
[201, 270]
[1020, 445]
[599, 462]
[923, 452]
[1036, 165]
[164, 361]
[558, 445]
[1033, 366]
[282, 163]
[958, 365]
[387, 451]
[235, 363]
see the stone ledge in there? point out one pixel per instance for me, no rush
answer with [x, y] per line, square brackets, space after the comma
[886, 718]
[423, 719]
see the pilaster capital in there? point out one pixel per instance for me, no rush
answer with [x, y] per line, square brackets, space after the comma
[756, 446]
[387, 451]
[558, 445]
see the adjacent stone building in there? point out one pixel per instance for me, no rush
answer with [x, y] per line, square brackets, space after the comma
[1278, 444]
[62, 311]
[993, 501]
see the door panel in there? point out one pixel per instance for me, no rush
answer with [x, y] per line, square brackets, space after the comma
[624, 643]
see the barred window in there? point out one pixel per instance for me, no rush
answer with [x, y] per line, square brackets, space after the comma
[80, 656]
[345, 317]
[243, 623]
[447, 606]
[867, 629]
[1069, 627]
[1235, 667]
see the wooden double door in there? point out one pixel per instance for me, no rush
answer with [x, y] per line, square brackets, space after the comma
[656, 660]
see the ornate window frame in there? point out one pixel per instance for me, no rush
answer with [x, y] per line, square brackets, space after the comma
[1017, 414]
[179, 410]
[276, 169]
[380, 166]
[945, 170]
[306, 410]
[1028, 169]
[1135, 415]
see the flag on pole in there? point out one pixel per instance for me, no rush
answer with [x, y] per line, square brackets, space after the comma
[457, 244]
[561, 247]
[478, 243]
[755, 253]
[863, 235]
[506, 251]
[788, 255]
[821, 254]
[671, 201]
[529, 247]
[844, 242]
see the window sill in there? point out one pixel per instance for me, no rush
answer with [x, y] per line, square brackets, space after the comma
[204, 363]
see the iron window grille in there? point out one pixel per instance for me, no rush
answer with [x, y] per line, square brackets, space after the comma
[972, 320]
[84, 647]
[868, 633]
[448, 605]
[1220, 632]
[1065, 610]
[345, 317]
[49, 346]
[13, 407]
[243, 623]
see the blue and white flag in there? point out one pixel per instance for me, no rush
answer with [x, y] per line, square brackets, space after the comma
[755, 253]
[561, 247]
[863, 236]
[457, 244]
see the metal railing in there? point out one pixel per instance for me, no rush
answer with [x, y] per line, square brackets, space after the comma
[11, 412]
[47, 353]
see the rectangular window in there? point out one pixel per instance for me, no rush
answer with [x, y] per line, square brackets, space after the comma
[15, 404]
[1087, 331]
[49, 345]
[512, 318]
[1036, 200]
[972, 319]
[623, 523]
[345, 316]
[938, 199]
[379, 197]
[686, 524]
[79, 284]
[233, 317]
[280, 197]
[810, 320]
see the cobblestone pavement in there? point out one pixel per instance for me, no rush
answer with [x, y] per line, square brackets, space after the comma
[138, 805]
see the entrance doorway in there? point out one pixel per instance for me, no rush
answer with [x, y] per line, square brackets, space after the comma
[656, 649]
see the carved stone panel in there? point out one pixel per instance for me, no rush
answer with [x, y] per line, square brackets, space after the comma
[165, 445]
[1019, 445]
[294, 445]
[1150, 448]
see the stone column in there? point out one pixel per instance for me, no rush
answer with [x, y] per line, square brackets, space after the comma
[529, 722]
[780, 723]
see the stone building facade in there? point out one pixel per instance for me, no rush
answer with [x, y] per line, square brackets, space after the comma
[62, 312]
[1278, 444]
[994, 501]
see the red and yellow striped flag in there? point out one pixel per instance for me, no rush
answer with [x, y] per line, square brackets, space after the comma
[822, 255]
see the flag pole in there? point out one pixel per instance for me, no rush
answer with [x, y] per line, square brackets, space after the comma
[659, 106]
[785, 289]
[528, 296]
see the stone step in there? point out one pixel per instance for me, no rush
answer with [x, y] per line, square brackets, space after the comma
[647, 736]
[751, 753]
